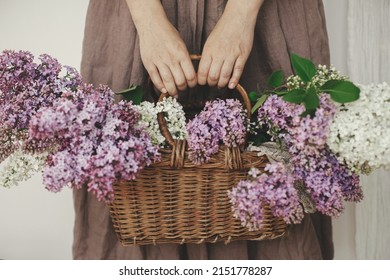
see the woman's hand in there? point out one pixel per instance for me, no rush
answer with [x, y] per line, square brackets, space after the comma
[229, 44]
[163, 52]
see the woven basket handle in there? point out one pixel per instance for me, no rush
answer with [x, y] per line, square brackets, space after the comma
[163, 124]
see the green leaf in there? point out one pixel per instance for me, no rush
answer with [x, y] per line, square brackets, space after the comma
[303, 67]
[261, 138]
[133, 93]
[253, 96]
[341, 91]
[295, 96]
[310, 112]
[311, 99]
[280, 93]
[276, 79]
[259, 102]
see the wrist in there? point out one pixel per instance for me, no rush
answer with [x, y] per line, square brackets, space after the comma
[144, 12]
[247, 10]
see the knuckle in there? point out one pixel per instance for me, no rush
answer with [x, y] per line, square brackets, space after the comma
[235, 79]
[225, 75]
[239, 67]
[191, 77]
[202, 73]
[181, 57]
[167, 79]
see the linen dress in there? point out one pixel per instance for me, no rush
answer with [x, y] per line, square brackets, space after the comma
[111, 56]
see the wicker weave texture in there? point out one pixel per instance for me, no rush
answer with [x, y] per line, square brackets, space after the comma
[175, 201]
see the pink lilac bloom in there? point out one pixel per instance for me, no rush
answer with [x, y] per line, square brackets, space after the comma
[274, 189]
[220, 122]
[98, 142]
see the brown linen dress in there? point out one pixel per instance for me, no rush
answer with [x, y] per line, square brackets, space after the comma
[111, 56]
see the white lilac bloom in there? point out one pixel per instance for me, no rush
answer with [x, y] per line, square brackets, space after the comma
[323, 74]
[360, 132]
[20, 167]
[174, 116]
[148, 119]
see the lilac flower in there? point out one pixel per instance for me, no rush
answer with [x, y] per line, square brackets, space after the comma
[25, 87]
[220, 122]
[279, 115]
[10, 141]
[275, 189]
[90, 140]
[98, 142]
[327, 181]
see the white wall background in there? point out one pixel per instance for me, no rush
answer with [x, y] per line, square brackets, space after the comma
[336, 19]
[37, 224]
[369, 45]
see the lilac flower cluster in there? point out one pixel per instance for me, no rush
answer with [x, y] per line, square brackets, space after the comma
[98, 142]
[87, 139]
[26, 86]
[279, 115]
[274, 189]
[327, 181]
[10, 141]
[220, 122]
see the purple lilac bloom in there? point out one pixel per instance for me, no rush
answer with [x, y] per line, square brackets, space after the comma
[349, 182]
[326, 180]
[98, 142]
[25, 87]
[279, 115]
[274, 189]
[220, 122]
[91, 141]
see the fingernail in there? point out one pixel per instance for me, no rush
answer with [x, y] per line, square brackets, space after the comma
[232, 85]
[164, 90]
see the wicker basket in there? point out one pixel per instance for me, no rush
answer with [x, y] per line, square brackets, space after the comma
[175, 201]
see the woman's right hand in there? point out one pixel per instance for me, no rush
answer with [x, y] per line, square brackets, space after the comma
[163, 52]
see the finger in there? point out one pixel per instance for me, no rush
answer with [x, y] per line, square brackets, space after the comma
[178, 76]
[214, 72]
[167, 79]
[156, 79]
[203, 69]
[226, 73]
[189, 72]
[237, 72]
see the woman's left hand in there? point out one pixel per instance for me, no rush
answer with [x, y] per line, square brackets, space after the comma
[228, 47]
